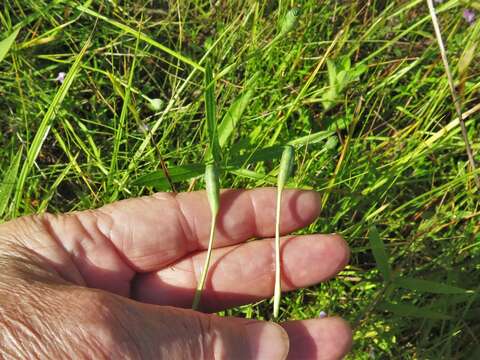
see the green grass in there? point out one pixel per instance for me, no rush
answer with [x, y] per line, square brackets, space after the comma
[358, 87]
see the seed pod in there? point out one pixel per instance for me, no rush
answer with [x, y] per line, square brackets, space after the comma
[212, 185]
[286, 166]
[289, 20]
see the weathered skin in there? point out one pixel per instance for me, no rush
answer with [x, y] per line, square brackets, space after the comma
[102, 284]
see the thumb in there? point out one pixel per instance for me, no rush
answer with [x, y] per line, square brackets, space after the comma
[173, 333]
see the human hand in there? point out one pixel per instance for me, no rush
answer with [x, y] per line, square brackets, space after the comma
[117, 282]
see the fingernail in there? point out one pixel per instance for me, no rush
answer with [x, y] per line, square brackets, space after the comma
[267, 340]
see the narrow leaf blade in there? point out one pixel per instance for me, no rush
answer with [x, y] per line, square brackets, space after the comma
[379, 252]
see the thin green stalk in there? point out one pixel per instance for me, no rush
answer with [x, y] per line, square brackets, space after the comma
[278, 287]
[212, 183]
[286, 166]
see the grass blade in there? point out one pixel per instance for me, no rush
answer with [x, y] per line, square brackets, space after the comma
[8, 183]
[379, 253]
[286, 167]
[308, 83]
[45, 125]
[7, 43]
[119, 128]
[142, 36]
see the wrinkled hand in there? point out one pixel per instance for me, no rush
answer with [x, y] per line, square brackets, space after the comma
[117, 282]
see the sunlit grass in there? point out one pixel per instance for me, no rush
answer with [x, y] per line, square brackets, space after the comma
[360, 91]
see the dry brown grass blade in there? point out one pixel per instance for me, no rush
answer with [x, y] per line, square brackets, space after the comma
[456, 99]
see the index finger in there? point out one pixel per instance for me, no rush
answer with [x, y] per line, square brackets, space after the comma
[154, 231]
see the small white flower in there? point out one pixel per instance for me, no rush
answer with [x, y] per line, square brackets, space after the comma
[61, 77]
[322, 314]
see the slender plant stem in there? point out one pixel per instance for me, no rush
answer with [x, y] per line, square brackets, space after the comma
[286, 167]
[206, 265]
[456, 100]
[212, 185]
[278, 287]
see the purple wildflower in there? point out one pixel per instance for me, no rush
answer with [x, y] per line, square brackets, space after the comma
[469, 16]
[322, 314]
[61, 77]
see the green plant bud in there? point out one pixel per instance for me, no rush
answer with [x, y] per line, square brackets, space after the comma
[286, 166]
[289, 20]
[212, 185]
